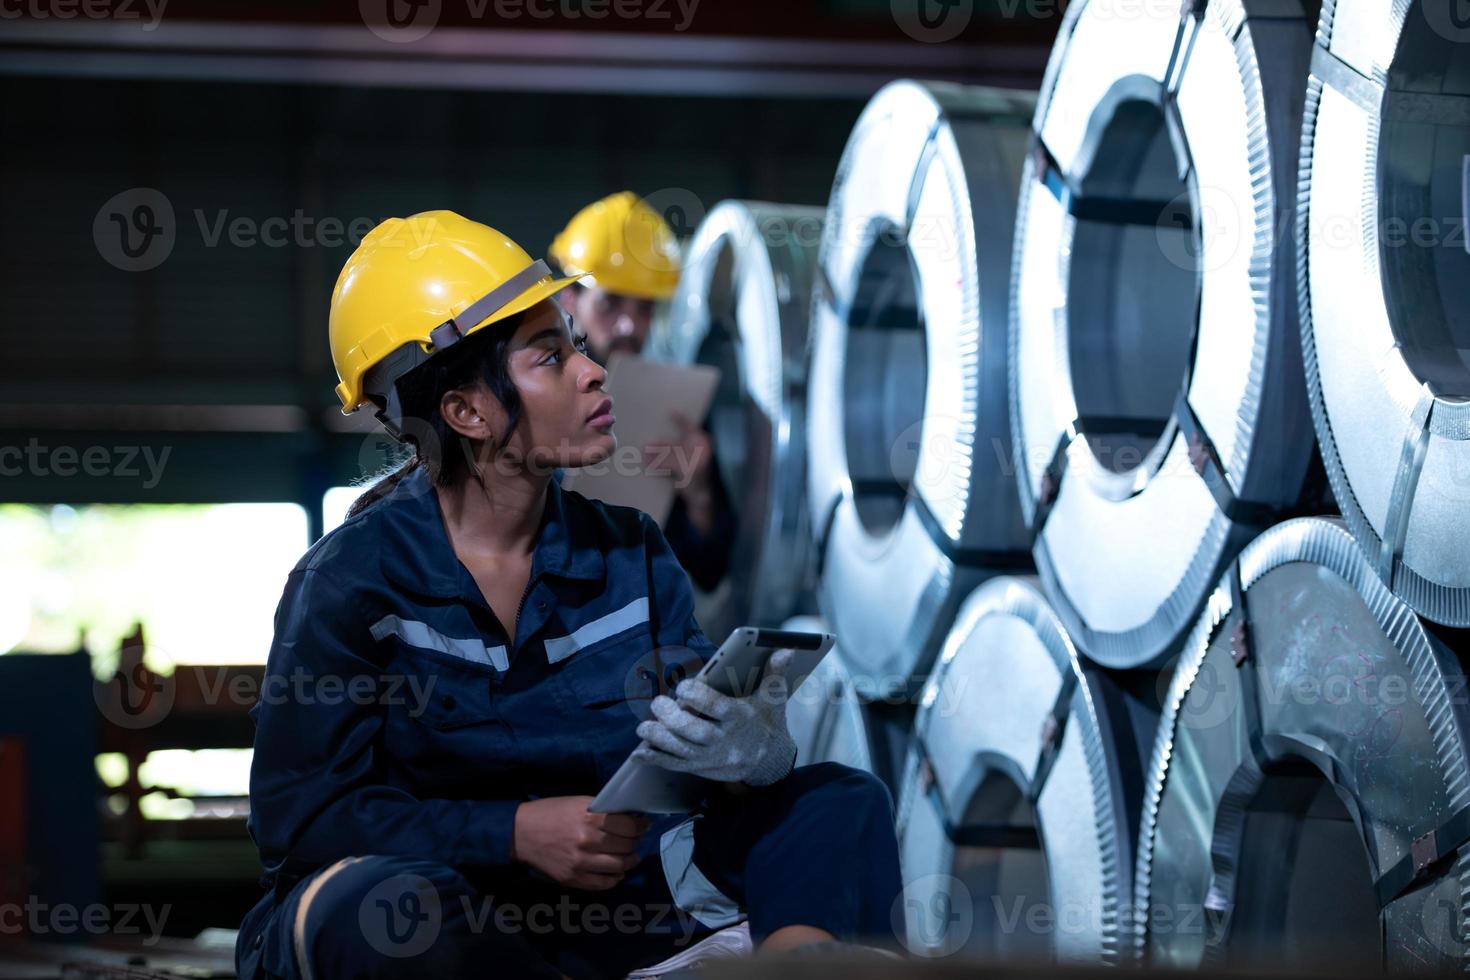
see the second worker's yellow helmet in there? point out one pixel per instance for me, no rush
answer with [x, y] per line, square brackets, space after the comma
[623, 245]
[415, 286]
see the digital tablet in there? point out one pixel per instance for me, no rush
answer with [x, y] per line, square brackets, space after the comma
[736, 669]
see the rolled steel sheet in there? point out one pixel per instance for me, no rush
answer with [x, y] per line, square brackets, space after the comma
[1385, 307]
[743, 306]
[1016, 733]
[1157, 406]
[1312, 758]
[910, 494]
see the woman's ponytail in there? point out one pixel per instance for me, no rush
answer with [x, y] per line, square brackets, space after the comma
[481, 358]
[385, 486]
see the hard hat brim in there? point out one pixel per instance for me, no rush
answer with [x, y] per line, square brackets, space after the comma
[629, 286]
[528, 299]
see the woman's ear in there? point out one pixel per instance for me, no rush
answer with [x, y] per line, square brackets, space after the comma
[465, 411]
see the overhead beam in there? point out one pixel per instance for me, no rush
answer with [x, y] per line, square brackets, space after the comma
[518, 60]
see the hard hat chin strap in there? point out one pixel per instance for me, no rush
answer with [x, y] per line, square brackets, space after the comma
[379, 382]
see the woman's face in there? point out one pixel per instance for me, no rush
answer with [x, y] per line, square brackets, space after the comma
[566, 419]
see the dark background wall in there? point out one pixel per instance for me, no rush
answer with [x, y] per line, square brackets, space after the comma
[243, 310]
[267, 188]
[178, 199]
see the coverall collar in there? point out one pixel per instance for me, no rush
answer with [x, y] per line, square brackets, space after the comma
[420, 558]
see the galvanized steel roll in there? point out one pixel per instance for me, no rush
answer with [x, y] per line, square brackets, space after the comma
[743, 306]
[1308, 802]
[1157, 406]
[1385, 304]
[1021, 792]
[911, 498]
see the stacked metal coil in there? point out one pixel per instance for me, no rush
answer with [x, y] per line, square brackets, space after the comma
[1022, 791]
[742, 305]
[911, 502]
[1157, 411]
[1308, 802]
[1205, 323]
[1385, 299]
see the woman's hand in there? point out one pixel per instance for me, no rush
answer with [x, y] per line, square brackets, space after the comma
[722, 738]
[560, 838]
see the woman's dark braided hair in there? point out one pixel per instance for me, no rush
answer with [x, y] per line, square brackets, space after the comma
[483, 356]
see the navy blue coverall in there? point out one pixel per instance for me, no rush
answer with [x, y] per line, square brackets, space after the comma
[399, 728]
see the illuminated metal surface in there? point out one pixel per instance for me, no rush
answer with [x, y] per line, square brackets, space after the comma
[1386, 308]
[911, 498]
[824, 715]
[1343, 684]
[981, 726]
[1149, 262]
[743, 306]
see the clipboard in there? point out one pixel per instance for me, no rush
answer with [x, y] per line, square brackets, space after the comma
[646, 393]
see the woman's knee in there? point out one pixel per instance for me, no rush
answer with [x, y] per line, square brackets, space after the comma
[389, 916]
[853, 791]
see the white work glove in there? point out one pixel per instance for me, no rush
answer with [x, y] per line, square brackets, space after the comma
[739, 740]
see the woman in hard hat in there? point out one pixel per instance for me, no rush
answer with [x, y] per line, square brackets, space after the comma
[626, 258]
[465, 661]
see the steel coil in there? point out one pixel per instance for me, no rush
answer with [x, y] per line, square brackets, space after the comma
[1306, 805]
[911, 497]
[1157, 406]
[1022, 790]
[743, 305]
[1385, 307]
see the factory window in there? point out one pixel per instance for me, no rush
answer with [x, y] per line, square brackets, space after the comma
[180, 784]
[335, 503]
[202, 580]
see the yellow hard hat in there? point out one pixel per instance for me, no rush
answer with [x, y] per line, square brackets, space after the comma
[624, 245]
[415, 286]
